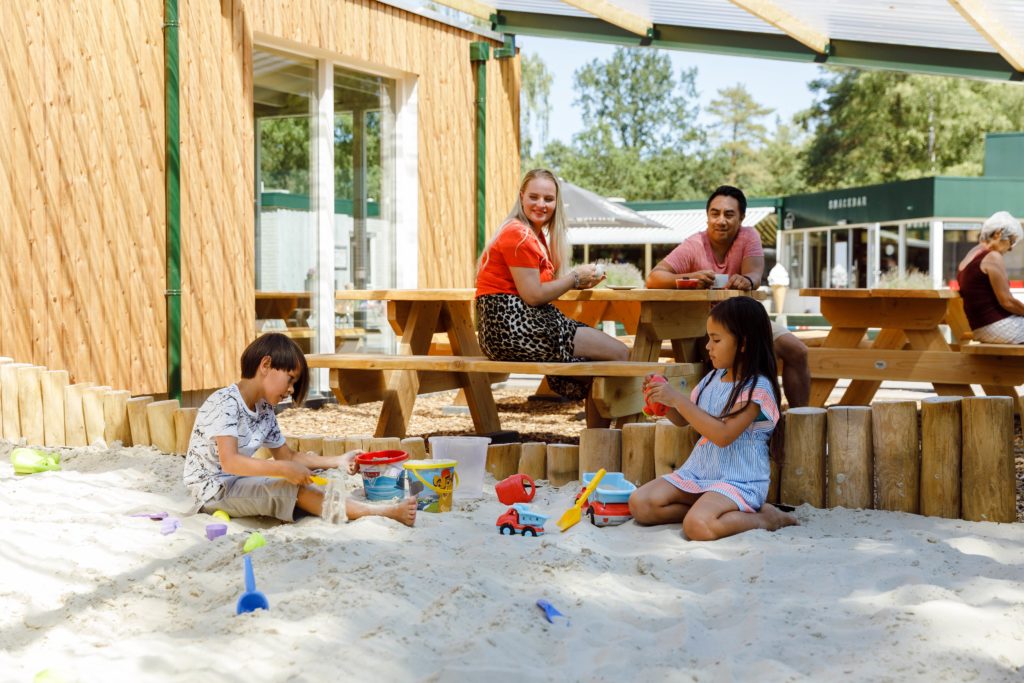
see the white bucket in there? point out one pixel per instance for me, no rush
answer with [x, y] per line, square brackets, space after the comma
[470, 452]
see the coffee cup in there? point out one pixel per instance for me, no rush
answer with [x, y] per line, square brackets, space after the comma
[721, 280]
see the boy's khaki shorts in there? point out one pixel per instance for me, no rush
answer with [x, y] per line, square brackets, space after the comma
[255, 497]
[778, 330]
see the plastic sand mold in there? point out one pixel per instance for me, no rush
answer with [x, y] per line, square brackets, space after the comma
[33, 461]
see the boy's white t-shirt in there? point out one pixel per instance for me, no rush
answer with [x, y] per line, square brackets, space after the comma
[225, 413]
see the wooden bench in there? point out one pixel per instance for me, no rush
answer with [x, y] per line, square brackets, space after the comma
[362, 378]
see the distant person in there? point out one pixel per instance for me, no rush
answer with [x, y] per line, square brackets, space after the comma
[722, 487]
[521, 271]
[727, 248]
[994, 314]
[236, 421]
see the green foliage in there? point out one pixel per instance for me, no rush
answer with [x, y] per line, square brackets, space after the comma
[622, 275]
[533, 102]
[739, 133]
[879, 126]
[912, 279]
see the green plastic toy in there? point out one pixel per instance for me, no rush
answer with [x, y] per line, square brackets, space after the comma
[32, 461]
[254, 541]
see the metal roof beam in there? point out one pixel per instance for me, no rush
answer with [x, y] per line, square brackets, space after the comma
[792, 26]
[472, 7]
[928, 60]
[615, 15]
[976, 12]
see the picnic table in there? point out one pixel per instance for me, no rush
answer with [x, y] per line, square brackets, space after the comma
[418, 314]
[910, 346]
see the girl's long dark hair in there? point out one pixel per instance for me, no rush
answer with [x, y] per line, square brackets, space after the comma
[746, 320]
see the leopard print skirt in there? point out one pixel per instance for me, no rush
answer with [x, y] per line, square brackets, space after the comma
[510, 329]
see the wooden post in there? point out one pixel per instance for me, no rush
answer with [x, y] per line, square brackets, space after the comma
[988, 489]
[897, 462]
[563, 463]
[803, 463]
[941, 440]
[160, 416]
[638, 452]
[311, 442]
[503, 459]
[600, 448]
[292, 442]
[334, 445]
[138, 423]
[533, 460]
[115, 418]
[416, 447]
[672, 446]
[4, 360]
[184, 421]
[849, 457]
[9, 400]
[384, 443]
[74, 414]
[30, 404]
[53, 385]
[263, 453]
[774, 481]
[92, 408]
[360, 442]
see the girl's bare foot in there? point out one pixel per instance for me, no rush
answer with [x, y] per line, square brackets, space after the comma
[776, 519]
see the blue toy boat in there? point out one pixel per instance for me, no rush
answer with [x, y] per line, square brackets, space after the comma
[614, 488]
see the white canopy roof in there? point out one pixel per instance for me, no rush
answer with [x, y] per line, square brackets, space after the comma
[681, 223]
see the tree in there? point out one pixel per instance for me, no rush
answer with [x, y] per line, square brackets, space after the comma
[780, 163]
[635, 100]
[533, 102]
[877, 126]
[739, 132]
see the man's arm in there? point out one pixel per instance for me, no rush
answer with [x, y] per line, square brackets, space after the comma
[751, 267]
[663, 277]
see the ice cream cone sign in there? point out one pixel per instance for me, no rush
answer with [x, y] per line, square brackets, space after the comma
[778, 280]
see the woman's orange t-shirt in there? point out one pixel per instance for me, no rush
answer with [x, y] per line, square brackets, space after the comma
[516, 246]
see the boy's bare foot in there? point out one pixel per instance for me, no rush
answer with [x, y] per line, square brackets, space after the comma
[776, 519]
[403, 511]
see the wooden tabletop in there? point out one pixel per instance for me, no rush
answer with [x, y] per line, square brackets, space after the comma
[838, 293]
[600, 294]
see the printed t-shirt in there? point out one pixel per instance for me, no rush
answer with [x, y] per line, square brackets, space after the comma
[516, 246]
[695, 253]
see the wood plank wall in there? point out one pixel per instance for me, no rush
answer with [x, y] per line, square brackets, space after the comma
[81, 189]
[82, 269]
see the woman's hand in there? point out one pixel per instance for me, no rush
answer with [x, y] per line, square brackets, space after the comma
[588, 275]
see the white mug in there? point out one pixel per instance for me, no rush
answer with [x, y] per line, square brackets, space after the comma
[721, 280]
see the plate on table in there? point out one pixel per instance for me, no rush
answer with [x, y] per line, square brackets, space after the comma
[621, 287]
[688, 283]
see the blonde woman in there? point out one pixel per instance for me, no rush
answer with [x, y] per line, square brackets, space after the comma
[994, 314]
[522, 270]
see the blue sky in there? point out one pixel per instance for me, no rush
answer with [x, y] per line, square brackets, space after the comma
[774, 83]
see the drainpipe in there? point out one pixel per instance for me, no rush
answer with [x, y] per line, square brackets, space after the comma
[172, 197]
[479, 53]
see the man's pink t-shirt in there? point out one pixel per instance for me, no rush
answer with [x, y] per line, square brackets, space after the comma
[695, 253]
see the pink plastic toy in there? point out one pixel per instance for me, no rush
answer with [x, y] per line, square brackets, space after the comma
[654, 409]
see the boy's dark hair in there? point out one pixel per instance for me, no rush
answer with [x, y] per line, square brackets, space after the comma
[284, 354]
[747, 320]
[729, 191]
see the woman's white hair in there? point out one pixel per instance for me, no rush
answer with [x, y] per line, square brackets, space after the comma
[1002, 222]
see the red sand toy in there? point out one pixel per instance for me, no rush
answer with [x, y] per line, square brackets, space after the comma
[520, 518]
[654, 409]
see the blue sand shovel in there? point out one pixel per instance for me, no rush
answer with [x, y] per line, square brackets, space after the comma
[251, 600]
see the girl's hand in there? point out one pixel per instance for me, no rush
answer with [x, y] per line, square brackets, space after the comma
[295, 473]
[588, 275]
[663, 393]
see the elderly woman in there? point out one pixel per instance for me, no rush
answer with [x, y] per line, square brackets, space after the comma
[522, 270]
[994, 314]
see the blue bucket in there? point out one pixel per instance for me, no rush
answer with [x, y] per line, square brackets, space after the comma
[383, 474]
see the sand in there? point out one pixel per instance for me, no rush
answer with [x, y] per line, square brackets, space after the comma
[92, 594]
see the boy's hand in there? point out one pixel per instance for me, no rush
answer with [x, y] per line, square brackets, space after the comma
[348, 461]
[295, 473]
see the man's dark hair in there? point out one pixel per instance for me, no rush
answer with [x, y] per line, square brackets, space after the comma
[284, 354]
[729, 191]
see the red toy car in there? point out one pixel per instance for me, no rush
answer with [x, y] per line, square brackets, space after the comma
[520, 518]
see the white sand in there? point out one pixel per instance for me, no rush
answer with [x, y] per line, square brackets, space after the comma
[96, 595]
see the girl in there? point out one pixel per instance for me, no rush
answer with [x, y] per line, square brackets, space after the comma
[521, 271]
[721, 488]
[234, 422]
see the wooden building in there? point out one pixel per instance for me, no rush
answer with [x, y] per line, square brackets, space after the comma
[83, 212]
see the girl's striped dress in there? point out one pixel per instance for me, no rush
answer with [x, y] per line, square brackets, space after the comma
[741, 470]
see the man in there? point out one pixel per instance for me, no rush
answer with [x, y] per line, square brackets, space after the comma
[726, 248]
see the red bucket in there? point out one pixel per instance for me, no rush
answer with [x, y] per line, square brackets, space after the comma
[513, 489]
[383, 474]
